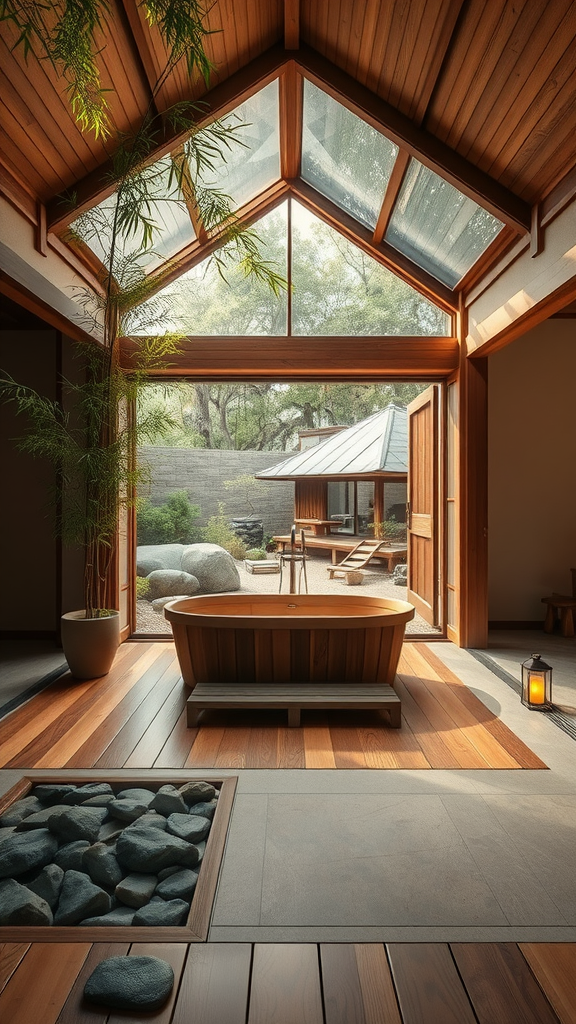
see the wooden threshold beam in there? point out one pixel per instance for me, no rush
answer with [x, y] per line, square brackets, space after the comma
[425, 147]
[304, 358]
[384, 253]
[96, 186]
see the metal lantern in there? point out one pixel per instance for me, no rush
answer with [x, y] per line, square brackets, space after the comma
[537, 684]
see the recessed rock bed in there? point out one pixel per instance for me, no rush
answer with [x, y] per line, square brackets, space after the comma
[97, 854]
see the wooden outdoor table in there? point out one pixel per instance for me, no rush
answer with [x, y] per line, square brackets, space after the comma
[319, 527]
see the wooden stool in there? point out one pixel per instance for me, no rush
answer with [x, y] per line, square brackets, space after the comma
[564, 607]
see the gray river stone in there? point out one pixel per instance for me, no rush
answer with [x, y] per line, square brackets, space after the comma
[20, 810]
[205, 810]
[168, 800]
[27, 851]
[119, 917]
[178, 886]
[130, 983]
[52, 792]
[153, 819]
[190, 827]
[80, 898]
[150, 850]
[85, 792]
[69, 857]
[48, 884]
[109, 831]
[197, 792]
[20, 906]
[157, 913]
[40, 819]
[136, 890]
[142, 796]
[100, 862]
[98, 801]
[78, 823]
[126, 810]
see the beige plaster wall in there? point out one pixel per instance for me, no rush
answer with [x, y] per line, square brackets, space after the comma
[531, 470]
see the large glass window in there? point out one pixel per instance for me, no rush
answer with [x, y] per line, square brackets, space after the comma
[351, 506]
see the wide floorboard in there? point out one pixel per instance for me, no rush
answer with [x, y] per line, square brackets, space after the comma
[337, 983]
[135, 717]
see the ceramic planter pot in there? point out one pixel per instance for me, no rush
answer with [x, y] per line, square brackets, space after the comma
[90, 644]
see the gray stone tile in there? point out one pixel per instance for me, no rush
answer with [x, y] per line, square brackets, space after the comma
[391, 933]
[239, 892]
[510, 875]
[370, 861]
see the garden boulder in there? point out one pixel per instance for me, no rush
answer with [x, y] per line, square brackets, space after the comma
[165, 582]
[150, 557]
[213, 567]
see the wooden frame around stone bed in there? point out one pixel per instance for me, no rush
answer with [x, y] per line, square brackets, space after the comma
[198, 922]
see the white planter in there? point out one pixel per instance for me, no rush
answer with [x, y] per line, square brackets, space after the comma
[90, 645]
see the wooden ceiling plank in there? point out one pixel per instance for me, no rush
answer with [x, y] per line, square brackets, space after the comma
[425, 147]
[142, 39]
[357, 23]
[291, 107]
[18, 140]
[561, 195]
[219, 101]
[391, 195]
[375, 51]
[17, 194]
[529, 78]
[494, 30]
[383, 253]
[291, 24]
[403, 40]
[432, 65]
[444, 101]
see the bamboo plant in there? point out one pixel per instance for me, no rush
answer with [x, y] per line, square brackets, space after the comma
[93, 446]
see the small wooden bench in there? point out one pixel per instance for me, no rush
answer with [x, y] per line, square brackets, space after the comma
[294, 697]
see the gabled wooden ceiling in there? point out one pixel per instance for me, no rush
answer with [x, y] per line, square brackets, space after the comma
[483, 86]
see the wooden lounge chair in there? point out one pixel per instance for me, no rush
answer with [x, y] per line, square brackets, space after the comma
[357, 559]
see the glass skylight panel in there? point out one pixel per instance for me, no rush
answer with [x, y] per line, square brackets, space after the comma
[340, 290]
[166, 212]
[439, 228]
[343, 157]
[251, 161]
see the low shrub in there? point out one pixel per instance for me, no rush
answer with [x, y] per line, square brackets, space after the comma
[256, 554]
[174, 522]
[218, 531]
[142, 587]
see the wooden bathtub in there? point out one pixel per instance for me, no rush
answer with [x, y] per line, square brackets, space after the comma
[287, 638]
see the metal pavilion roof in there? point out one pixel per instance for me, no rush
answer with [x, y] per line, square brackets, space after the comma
[377, 445]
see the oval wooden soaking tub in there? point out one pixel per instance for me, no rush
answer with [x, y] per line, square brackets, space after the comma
[276, 638]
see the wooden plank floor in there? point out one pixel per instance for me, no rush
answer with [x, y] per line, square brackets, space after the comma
[136, 718]
[364, 983]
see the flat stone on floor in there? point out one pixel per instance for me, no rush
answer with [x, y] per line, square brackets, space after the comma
[130, 983]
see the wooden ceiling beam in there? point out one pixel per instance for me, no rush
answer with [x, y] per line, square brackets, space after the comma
[391, 195]
[291, 105]
[142, 47]
[385, 254]
[304, 359]
[99, 184]
[426, 148]
[291, 24]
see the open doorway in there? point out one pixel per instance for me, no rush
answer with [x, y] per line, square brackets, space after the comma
[236, 464]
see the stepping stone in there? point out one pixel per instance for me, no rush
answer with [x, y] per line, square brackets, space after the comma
[130, 983]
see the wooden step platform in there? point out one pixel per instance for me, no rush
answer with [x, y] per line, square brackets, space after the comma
[294, 697]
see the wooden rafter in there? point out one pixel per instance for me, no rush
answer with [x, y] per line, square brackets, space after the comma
[429, 150]
[291, 24]
[385, 254]
[291, 102]
[189, 194]
[391, 195]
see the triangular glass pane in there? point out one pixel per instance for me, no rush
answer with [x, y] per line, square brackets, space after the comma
[204, 302]
[340, 290]
[439, 228]
[343, 157]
